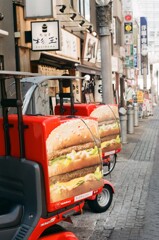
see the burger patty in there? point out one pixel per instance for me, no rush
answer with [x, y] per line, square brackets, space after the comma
[69, 149]
[110, 137]
[107, 122]
[72, 175]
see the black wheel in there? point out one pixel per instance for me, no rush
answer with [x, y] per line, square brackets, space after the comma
[109, 165]
[102, 201]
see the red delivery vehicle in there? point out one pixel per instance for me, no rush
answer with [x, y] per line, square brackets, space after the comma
[49, 167]
[107, 116]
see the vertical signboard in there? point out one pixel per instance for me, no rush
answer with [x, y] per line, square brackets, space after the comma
[135, 57]
[143, 41]
[128, 33]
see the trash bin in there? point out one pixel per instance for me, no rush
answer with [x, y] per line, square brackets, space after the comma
[130, 119]
[123, 124]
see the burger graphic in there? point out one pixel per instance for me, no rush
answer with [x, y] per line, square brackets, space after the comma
[109, 127]
[74, 159]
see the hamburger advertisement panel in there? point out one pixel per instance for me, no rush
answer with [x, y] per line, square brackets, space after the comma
[109, 127]
[74, 159]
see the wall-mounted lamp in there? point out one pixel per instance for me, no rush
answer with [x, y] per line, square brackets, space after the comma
[81, 32]
[86, 59]
[89, 29]
[94, 34]
[81, 23]
[1, 16]
[62, 9]
[73, 16]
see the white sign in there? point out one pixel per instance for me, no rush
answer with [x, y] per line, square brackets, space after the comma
[38, 8]
[45, 35]
[127, 5]
[98, 91]
[83, 196]
[115, 64]
[128, 38]
[70, 45]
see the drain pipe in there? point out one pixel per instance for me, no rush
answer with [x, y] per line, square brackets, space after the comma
[17, 54]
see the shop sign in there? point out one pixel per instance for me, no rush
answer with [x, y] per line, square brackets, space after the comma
[114, 30]
[120, 66]
[135, 57]
[128, 38]
[143, 33]
[128, 27]
[129, 51]
[77, 91]
[122, 52]
[115, 64]
[129, 62]
[128, 16]
[70, 45]
[127, 5]
[140, 96]
[45, 35]
[90, 48]
[98, 91]
[143, 39]
[38, 8]
[131, 74]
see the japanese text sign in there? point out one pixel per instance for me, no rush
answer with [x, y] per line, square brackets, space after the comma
[45, 35]
[143, 34]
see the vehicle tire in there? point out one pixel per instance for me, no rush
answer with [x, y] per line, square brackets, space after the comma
[102, 201]
[108, 167]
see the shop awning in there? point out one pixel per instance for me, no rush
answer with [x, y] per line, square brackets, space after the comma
[58, 62]
[53, 60]
[88, 70]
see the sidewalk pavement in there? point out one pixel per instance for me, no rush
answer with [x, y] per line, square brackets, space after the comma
[134, 213]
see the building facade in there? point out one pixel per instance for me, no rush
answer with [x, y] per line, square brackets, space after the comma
[33, 28]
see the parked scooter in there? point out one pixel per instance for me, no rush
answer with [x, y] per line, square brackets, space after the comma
[28, 209]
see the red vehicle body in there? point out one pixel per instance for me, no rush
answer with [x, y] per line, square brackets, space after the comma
[26, 209]
[83, 109]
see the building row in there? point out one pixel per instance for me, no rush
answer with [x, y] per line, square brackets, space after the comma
[62, 37]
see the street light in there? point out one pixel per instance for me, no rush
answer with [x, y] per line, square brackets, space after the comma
[104, 20]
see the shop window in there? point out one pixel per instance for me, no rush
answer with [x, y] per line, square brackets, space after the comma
[117, 33]
[1, 62]
[84, 8]
[71, 3]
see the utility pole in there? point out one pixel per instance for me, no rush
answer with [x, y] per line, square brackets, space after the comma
[104, 20]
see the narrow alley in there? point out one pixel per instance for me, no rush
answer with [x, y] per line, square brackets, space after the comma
[134, 213]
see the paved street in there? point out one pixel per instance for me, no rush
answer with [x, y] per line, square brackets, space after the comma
[134, 213]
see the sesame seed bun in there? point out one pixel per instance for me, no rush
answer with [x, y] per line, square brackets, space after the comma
[73, 133]
[105, 113]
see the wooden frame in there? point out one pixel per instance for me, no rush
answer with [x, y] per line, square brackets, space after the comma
[45, 35]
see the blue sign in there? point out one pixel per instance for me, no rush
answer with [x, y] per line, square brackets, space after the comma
[143, 42]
